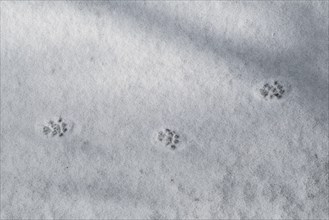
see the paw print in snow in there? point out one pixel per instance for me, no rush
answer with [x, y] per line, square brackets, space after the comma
[168, 138]
[55, 127]
[273, 89]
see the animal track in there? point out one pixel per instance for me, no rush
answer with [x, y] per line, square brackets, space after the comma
[273, 89]
[55, 127]
[169, 138]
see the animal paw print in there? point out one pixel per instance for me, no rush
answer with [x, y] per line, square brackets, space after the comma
[272, 90]
[55, 128]
[169, 138]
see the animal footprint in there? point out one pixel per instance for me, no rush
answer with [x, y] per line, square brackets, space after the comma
[273, 89]
[55, 127]
[168, 138]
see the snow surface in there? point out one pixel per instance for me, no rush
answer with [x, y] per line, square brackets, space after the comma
[120, 72]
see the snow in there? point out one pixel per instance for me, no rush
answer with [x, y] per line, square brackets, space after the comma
[119, 73]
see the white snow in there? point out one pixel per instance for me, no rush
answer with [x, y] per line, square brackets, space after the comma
[121, 72]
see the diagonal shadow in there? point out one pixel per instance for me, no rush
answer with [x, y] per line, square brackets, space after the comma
[254, 61]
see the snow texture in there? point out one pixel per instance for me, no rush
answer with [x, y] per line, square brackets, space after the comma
[164, 110]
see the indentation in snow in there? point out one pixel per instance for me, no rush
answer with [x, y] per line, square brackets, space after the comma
[273, 89]
[55, 127]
